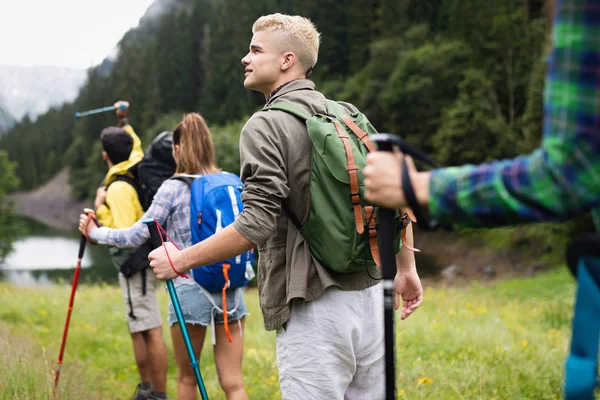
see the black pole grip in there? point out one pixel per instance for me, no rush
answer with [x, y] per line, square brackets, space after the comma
[154, 234]
[386, 230]
[386, 142]
[82, 243]
[386, 237]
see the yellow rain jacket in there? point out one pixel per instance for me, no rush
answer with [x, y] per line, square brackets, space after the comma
[122, 207]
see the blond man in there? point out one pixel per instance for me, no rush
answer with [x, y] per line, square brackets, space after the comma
[329, 325]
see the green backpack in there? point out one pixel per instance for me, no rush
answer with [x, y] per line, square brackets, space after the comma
[341, 230]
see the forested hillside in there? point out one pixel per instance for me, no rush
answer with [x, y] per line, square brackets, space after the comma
[462, 79]
[6, 120]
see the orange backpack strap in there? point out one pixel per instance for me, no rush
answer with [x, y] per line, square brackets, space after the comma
[224, 299]
[352, 169]
[360, 134]
[406, 219]
[409, 212]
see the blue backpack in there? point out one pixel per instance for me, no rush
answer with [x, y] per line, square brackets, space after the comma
[215, 202]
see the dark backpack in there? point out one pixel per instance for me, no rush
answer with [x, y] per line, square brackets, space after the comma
[157, 165]
[154, 168]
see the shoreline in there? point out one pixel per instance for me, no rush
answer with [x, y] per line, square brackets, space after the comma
[51, 203]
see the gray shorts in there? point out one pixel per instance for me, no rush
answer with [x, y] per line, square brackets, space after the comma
[144, 307]
[332, 347]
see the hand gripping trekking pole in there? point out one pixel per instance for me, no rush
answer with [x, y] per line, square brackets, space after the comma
[82, 243]
[387, 230]
[156, 240]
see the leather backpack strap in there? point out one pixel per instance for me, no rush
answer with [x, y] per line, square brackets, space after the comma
[360, 134]
[407, 218]
[352, 169]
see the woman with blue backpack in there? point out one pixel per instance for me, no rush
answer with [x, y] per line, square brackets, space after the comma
[197, 201]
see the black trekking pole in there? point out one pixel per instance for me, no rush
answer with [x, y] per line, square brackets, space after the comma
[386, 238]
[156, 243]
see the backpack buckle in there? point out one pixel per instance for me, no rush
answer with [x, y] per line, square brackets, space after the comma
[372, 228]
[370, 222]
[355, 198]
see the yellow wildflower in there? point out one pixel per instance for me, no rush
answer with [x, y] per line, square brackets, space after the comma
[426, 380]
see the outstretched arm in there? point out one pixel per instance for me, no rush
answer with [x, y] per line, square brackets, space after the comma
[558, 180]
[137, 233]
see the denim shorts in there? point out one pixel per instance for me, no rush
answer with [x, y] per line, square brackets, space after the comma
[198, 310]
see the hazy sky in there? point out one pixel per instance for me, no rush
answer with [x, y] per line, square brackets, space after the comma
[71, 33]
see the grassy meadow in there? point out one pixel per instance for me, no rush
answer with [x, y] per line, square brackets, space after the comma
[503, 340]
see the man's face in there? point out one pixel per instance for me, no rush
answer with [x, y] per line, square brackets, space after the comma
[263, 64]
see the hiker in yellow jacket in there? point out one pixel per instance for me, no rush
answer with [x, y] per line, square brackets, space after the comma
[118, 206]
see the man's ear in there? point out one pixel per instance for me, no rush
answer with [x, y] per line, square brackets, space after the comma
[289, 59]
[105, 156]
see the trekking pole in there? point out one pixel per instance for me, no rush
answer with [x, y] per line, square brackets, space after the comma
[82, 242]
[156, 241]
[99, 110]
[386, 240]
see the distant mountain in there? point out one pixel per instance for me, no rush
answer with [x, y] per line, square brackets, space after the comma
[147, 26]
[33, 90]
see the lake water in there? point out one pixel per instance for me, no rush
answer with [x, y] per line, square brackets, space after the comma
[44, 256]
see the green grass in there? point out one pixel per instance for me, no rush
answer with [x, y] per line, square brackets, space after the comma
[506, 340]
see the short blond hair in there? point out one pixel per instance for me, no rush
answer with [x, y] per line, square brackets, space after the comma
[299, 35]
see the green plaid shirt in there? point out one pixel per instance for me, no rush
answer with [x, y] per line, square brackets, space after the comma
[562, 177]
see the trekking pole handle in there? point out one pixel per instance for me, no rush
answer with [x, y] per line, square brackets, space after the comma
[154, 234]
[82, 243]
[386, 141]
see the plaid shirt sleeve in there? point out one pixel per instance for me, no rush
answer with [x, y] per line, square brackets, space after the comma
[562, 177]
[138, 233]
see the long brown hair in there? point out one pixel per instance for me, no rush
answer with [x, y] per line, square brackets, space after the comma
[196, 151]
